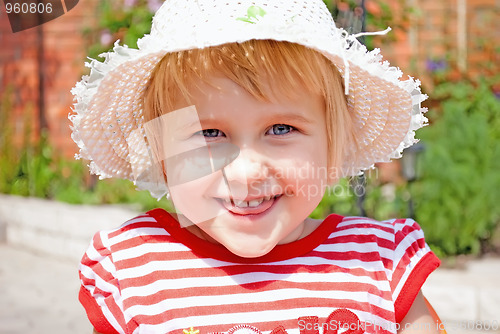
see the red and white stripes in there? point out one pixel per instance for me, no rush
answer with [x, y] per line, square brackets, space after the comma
[140, 279]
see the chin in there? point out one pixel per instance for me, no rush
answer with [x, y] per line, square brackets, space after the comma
[250, 251]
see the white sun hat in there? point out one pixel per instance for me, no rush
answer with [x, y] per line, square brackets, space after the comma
[108, 113]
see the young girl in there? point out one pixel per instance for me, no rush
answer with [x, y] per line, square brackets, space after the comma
[243, 113]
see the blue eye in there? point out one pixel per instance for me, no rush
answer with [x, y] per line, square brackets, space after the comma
[280, 129]
[212, 133]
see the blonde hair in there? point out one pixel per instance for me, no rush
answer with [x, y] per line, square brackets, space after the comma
[251, 65]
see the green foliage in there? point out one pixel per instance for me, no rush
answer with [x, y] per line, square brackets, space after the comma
[21, 171]
[31, 167]
[387, 201]
[380, 202]
[339, 199]
[458, 194]
[117, 21]
[376, 16]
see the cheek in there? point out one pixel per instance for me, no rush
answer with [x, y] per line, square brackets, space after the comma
[304, 178]
[312, 183]
[193, 201]
[314, 171]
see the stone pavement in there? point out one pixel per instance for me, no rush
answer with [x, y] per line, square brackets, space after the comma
[43, 242]
[38, 294]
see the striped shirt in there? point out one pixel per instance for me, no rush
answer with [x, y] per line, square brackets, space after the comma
[152, 276]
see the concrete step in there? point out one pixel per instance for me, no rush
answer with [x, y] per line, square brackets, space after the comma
[56, 229]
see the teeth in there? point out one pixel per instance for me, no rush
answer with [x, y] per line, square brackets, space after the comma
[255, 202]
[252, 204]
[241, 204]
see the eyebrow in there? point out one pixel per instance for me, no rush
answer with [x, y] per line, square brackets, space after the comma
[277, 116]
[291, 117]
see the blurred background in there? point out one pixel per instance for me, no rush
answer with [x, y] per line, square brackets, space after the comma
[449, 182]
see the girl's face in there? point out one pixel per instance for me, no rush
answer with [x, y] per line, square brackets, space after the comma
[274, 159]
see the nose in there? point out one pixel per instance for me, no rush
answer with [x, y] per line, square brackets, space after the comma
[249, 167]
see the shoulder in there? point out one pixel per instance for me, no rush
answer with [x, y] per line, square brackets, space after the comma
[392, 239]
[120, 257]
[393, 229]
[141, 230]
[142, 225]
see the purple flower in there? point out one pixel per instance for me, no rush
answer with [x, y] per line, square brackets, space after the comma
[436, 65]
[129, 3]
[106, 37]
[154, 5]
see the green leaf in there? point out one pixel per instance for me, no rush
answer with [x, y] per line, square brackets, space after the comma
[254, 11]
[245, 19]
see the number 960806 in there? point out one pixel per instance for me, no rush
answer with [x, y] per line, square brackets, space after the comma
[28, 7]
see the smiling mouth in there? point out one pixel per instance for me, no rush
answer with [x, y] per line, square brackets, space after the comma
[251, 207]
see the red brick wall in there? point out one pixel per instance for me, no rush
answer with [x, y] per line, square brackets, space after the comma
[464, 33]
[63, 57]
[18, 66]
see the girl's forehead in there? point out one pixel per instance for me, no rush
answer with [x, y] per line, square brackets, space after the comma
[217, 86]
[216, 93]
[269, 70]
